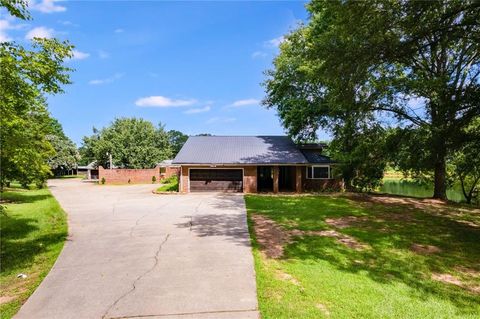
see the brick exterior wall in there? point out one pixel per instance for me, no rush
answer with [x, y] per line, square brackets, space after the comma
[302, 184]
[249, 177]
[322, 185]
[170, 171]
[122, 176]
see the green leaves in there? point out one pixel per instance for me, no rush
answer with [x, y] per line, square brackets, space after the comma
[25, 77]
[132, 142]
[374, 61]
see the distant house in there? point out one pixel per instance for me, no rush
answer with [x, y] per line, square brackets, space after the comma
[253, 164]
[90, 171]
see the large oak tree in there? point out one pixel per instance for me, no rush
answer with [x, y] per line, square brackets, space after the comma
[413, 65]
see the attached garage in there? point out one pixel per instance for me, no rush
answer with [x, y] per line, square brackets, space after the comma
[216, 180]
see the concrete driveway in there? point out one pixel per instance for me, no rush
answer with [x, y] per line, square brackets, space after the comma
[133, 254]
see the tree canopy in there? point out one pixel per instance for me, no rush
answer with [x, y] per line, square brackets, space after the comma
[409, 65]
[132, 142]
[26, 76]
[176, 140]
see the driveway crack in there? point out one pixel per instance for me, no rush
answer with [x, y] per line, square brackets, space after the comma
[132, 289]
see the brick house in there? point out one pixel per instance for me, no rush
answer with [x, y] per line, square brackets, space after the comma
[252, 164]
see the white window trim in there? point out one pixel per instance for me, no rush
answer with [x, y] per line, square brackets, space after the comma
[312, 167]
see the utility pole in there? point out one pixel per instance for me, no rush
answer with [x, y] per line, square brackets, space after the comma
[110, 159]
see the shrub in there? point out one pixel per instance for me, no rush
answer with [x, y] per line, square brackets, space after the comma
[171, 184]
[103, 180]
[154, 179]
[129, 181]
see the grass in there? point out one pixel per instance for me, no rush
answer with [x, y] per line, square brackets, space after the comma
[319, 277]
[170, 185]
[70, 176]
[33, 231]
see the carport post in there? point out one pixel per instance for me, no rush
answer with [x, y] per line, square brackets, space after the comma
[275, 179]
[298, 179]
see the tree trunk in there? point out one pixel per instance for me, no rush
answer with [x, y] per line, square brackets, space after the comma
[440, 186]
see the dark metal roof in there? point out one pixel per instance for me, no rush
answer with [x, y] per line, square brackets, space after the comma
[239, 150]
[314, 157]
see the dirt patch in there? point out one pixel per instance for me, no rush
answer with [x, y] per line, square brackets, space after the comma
[344, 222]
[6, 299]
[272, 238]
[450, 279]
[468, 272]
[287, 277]
[425, 249]
[323, 309]
[348, 241]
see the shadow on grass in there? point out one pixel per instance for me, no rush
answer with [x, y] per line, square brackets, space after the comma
[390, 230]
[391, 259]
[20, 197]
[22, 240]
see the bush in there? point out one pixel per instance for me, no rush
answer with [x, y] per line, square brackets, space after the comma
[103, 180]
[154, 179]
[171, 185]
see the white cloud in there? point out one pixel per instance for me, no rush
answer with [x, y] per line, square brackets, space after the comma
[198, 110]
[46, 6]
[245, 102]
[40, 32]
[5, 25]
[162, 101]
[275, 42]
[119, 30]
[220, 119]
[79, 55]
[67, 23]
[103, 54]
[111, 79]
[258, 54]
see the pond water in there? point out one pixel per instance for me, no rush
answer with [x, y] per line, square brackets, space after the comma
[413, 189]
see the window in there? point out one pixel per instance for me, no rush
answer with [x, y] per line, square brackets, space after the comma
[163, 170]
[318, 172]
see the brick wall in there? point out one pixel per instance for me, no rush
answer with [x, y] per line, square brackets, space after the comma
[323, 185]
[170, 171]
[122, 175]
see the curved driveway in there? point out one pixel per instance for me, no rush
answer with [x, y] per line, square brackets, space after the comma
[133, 254]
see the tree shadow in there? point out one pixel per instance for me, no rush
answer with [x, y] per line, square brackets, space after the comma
[390, 231]
[232, 224]
[20, 245]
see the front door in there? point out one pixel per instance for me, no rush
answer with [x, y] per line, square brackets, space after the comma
[265, 179]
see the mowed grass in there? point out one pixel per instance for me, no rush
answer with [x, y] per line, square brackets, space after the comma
[33, 231]
[320, 277]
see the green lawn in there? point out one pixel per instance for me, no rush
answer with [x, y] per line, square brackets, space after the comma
[320, 277]
[33, 230]
[170, 185]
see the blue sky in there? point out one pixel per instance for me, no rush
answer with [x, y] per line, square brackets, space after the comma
[194, 66]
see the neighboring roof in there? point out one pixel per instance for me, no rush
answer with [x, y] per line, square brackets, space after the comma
[92, 165]
[239, 150]
[165, 163]
[314, 157]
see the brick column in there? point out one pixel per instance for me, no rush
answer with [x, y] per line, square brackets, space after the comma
[298, 179]
[275, 179]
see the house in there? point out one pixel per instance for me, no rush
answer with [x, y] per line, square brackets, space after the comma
[90, 171]
[253, 164]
